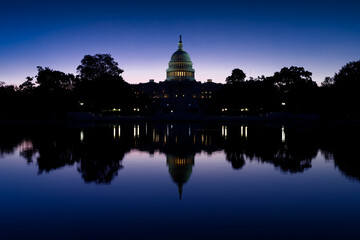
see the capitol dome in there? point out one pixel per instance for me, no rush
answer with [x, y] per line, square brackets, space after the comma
[180, 66]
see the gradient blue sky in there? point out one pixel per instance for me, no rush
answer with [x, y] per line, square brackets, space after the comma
[259, 37]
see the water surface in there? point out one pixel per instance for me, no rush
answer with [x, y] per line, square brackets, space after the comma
[179, 181]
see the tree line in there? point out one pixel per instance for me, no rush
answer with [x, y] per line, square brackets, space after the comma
[99, 87]
[293, 90]
[51, 93]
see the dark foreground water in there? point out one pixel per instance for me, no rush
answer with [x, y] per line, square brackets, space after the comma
[179, 181]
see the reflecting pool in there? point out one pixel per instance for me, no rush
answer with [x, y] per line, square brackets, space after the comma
[179, 181]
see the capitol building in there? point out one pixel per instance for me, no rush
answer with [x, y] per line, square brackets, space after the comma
[179, 92]
[180, 66]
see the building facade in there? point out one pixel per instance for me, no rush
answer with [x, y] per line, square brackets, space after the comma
[180, 92]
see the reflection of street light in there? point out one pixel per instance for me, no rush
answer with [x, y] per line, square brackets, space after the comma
[282, 133]
[224, 131]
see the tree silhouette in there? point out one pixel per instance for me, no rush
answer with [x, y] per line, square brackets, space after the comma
[53, 97]
[9, 99]
[237, 76]
[98, 66]
[101, 86]
[28, 86]
[288, 78]
[348, 76]
[296, 89]
[328, 81]
[345, 85]
[52, 80]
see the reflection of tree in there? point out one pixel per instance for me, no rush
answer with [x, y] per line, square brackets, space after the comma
[348, 164]
[53, 148]
[264, 145]
[293, 161]
[99, 171]
[237, 159]
[294, 155]
[343, 149]
[99, 154]
[28, 154]
[9, 139]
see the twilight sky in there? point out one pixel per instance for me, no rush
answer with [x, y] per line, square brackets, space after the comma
[259, 37]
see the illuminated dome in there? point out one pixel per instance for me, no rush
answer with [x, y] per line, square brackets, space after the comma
[180, 66]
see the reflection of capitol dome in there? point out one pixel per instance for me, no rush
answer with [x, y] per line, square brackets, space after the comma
[180, 66]
[180, 169]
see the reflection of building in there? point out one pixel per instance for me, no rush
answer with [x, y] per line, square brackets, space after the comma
[180, 168]
[180, 92]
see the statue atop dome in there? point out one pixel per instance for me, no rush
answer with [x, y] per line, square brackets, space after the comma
[180, 44]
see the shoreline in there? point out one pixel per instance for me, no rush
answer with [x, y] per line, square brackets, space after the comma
[89, 118]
